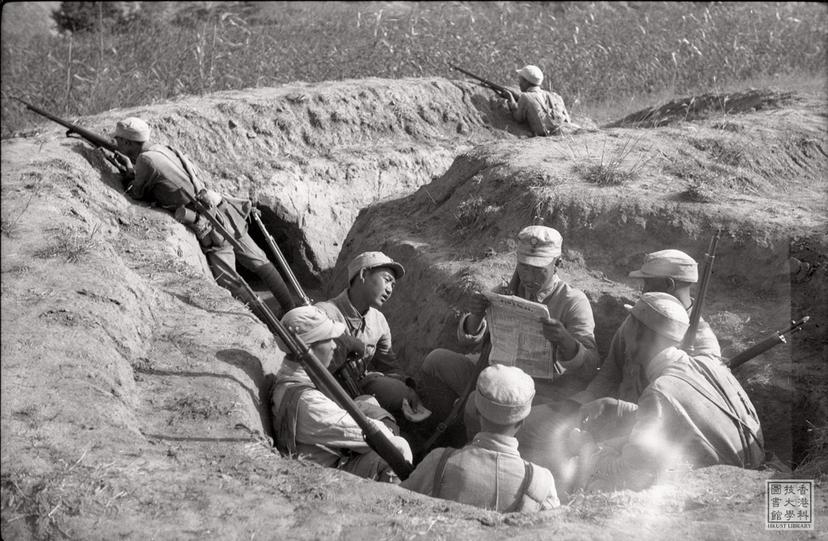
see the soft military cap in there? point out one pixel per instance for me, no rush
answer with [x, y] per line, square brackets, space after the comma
[538, 245]
[312, 324]
[533, 74]
[132, 129]
[371, 260]
[504, 394]
[663, 314]
[669, 264]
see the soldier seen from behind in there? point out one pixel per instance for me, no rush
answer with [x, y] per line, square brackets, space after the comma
[489, 472]
[543, 111]
[160, 173]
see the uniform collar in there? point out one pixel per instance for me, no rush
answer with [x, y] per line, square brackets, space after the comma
[496, 442]
[293, 371]
[356, 321]
[549, 289]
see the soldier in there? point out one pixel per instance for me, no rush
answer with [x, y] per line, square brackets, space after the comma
[692, 410]
[160, 173]
[544, 111]
[372, 277]
[667, 271]
[569, 328]
[488, 472]
[308, 423]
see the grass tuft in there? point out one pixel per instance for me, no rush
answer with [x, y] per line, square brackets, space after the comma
[71, 244]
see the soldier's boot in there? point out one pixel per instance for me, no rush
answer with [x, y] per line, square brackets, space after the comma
[276, 285]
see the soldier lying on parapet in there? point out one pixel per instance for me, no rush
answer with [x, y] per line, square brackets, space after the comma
[308, 423]
[667, 271]
[569, 329]
[160, 172]
[544, 111]
[692, 410]
[365, 361]
[488, 472]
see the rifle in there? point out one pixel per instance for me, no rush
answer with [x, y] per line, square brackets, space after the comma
[772, 340]
[704, 282]
[501, 91]
[320, 375]
[280, 259]
[98, 141]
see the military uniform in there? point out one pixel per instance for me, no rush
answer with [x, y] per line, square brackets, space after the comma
[488, 472]
[161, 173]
[544, 111]
[309, 424]
[445, 373]
[693, 410]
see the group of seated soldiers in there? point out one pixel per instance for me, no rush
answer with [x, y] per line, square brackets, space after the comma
[523, 443]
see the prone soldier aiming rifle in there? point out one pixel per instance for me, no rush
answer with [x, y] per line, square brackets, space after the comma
[107, 146]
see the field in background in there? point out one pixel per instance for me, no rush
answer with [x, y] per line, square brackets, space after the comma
[603, 58]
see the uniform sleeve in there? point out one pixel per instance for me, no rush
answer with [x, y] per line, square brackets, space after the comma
[422, 478]
[466, 339]
[385, 360]
[145, 175]
[519, 114]
[706, 342]
[551, 500]
[581, 325]
[320, 421]
[610, 374]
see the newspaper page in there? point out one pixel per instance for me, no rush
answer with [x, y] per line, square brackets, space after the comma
[517, 335]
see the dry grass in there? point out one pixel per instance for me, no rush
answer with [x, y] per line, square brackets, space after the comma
[616, 166]
[593, 54]
[71, 244]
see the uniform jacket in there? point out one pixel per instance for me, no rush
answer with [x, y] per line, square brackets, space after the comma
[544, 111]
[323, 429]
[370, 328]
[687, 414]
[572, 308]
[488, 473]
[159, 175]
[623, 379]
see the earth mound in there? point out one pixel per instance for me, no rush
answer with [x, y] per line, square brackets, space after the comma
[135, 389]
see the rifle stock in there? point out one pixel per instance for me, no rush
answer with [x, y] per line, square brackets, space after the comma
[771, 341]
[704, 282]
[318, 373]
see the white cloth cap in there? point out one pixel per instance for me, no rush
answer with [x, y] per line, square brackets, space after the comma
[133, 129]
[370, 260]
[312, 324]
[670, 264]
[533, 74]
[504, 394]
[663, 314]
[538, 245]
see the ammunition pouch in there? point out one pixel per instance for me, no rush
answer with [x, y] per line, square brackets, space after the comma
[349, 372]
[200, 226]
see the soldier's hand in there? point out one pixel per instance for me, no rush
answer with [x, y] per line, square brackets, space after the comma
[413, 399]
[477, 304]
[510, 102]
[591, 412]
[351, 345]
[555, 332]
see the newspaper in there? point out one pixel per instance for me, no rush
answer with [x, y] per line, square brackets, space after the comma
[517, 335]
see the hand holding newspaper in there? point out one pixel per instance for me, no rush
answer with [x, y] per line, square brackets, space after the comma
[517, 335]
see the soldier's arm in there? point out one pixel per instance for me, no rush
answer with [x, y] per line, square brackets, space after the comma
[145, 174]
[320, 421]
[610, 374]
[580, 323]
[519, 112]
[422, 478]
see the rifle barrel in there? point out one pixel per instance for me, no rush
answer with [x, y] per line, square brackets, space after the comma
[92, 137]
[320, 375]
[774, 339]
[282, 262]
[704, 282]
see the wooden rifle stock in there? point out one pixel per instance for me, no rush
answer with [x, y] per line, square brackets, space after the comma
[320, 375]
[774, 339]
[704, 282]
